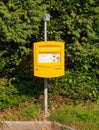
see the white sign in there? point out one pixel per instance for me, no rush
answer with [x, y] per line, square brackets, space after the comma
[45, 58]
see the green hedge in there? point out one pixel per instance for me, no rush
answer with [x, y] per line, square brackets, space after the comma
[76, 86]
[76, 23]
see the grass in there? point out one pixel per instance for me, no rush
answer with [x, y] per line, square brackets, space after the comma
[20, 105]
[79, 117]
[27, 111]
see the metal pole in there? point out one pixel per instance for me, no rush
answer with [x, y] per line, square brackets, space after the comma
[46, 96]
[47, 18]
[45, 80]
[45, 30]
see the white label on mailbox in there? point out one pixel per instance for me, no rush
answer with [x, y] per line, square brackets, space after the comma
[43, 58]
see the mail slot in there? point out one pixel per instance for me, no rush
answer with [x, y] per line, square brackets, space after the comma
[48, 59]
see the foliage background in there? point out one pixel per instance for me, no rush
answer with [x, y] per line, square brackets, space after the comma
[20, 21]
[76, 23]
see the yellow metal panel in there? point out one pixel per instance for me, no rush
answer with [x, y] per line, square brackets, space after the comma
[48, 49]
[48, 59]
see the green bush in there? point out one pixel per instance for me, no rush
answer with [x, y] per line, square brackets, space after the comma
[74, 22]
[84, 57]
[19, 26]
[77, 24]
[20, 88]
[13, 94]
[75, 85]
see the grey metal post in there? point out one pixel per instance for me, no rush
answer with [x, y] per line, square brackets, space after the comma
[45, 30]
[46, 18]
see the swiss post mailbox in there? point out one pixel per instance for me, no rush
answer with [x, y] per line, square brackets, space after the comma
[48, 59]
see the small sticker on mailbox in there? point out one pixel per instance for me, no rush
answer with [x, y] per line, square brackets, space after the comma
[45, 58]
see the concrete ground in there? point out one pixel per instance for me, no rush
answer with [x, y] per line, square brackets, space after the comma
[20, 125]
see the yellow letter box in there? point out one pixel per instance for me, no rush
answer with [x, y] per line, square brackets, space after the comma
[48, 59]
